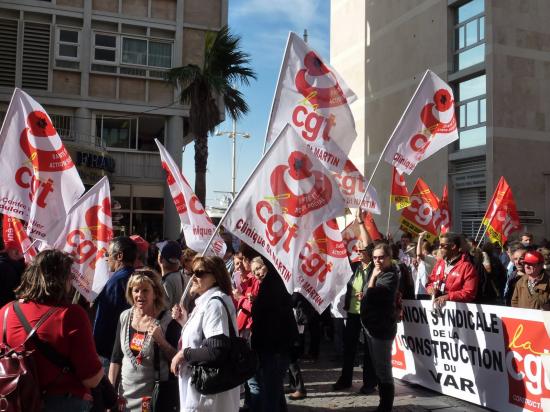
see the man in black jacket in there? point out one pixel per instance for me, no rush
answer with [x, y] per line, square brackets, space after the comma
[12, 266]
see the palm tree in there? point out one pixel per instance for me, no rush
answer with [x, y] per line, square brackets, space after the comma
[201, 87]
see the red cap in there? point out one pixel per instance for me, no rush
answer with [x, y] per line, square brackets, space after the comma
[142, 244]
[533, 257]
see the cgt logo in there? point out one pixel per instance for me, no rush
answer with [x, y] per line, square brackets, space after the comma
[398, 354]
[525, 343]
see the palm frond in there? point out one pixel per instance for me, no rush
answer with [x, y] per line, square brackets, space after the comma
[235, 103]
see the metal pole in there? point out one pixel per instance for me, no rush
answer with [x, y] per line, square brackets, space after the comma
[234, 169]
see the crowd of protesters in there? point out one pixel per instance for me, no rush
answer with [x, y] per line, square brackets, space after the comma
[143, 329]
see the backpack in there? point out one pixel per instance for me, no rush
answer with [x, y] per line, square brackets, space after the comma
[19, 385]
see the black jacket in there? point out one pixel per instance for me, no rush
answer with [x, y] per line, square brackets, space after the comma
[378, 313]
[10, 272]
[274, 328]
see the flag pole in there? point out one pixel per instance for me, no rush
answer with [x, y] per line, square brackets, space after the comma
[389, 214]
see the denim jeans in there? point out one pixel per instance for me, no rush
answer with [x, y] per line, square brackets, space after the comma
[65, 403]
[267, 387]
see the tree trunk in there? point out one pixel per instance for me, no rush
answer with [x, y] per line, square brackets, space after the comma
[201, 160]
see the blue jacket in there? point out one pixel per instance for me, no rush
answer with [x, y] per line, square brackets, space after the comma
[110, 303]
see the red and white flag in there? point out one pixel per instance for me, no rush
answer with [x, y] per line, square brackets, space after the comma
[352, 186]
[14, 236]
[421, 215]
[39, 182]
[282, 203]
[323, 268]
[443, 215]
[197, 226]
[85, 235]
[370, 226]
[350, 236]
[427, 125]
[501, 217]
[399, 192]
[314, 100]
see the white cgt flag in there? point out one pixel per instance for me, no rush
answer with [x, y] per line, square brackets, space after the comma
[86, 234]
[352, 185]
[282, 203]
[197, 226]
[314, 100]
[39, 182]
[427, 125]
[323, 268]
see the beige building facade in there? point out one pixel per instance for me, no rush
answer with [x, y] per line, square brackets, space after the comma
[496, 56]
[99, 68]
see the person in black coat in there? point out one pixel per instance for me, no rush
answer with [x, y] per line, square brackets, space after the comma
[12, 266]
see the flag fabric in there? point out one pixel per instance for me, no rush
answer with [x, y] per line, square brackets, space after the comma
[352, 186]
[14, 236]
[350, 236]
[443, 217]
[39, 182]
[399, 192]
[323, 267]
[197, 226]
[427, 125]
[314, 100]
[419, 215]
[86, 233]
[501, 217]
[370, 225]
[282, 203]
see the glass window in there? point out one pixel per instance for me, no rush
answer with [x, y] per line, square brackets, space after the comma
[150, 128]
[160, 54]
[118, 133]
[149, 203]
[472, 114]
[67, 44]
[482, 110]
[482, 28]
[472, 137]
[461, 34]
[471, 33]
[134, 51]
[105, 40]
[470, 9]
[471, 56]
[69, 36]
[472, 88]
[147, 225]
[105, 48]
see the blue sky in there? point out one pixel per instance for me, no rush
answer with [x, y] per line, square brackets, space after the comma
[263, 26]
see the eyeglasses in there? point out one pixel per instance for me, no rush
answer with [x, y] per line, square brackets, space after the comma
[379, 257]
[200, 273]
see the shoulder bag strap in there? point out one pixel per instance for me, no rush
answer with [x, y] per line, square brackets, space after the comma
[229, 321]
[46, 349]
[156, 362]
[4, 328]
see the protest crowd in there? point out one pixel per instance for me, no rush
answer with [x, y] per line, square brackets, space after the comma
[219, 318]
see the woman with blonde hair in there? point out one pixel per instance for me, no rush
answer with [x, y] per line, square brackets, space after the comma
[145, 344]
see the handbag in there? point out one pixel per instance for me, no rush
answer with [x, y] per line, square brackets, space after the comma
[166, 395]
[239, 366]
[105, 396]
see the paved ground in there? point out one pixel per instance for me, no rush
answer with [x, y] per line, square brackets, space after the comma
[320, 376]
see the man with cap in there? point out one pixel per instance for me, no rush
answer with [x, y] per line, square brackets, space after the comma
[172, 278]
[533, 289]
[142, 250]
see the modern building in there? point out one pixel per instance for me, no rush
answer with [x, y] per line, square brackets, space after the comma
[496, 56]
[99, 68]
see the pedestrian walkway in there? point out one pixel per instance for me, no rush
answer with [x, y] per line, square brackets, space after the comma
[320, 376]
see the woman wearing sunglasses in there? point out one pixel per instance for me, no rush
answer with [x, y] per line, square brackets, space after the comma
[378, 315]
[205, 336]
[146, 341]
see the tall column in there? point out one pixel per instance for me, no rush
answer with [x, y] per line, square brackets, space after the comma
[174, 144]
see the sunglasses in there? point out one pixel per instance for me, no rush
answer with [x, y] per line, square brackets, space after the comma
[200, 273]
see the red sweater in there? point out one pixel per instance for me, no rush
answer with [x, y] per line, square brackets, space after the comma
[461, 281]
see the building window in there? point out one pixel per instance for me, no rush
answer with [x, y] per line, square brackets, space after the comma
[134, 51]
[105, 48]
[160, 54]
[63, 125]
[472, 112]
[137, 133]
[469, 34]
[67, 44]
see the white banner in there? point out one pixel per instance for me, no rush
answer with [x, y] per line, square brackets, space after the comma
[86, 234]
[197, 226]
[352, 184]
[39, 182]
[283, 201]
[427, 125]
[314, 100]
[488, 355]
[323, 268]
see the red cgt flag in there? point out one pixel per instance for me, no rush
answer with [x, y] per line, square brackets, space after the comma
[399, 192]
[501, 217]
[444, 221]
[14, 236]
[370, 225]
[421, 215]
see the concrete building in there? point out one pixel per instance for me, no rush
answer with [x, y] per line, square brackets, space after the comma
[495, 54]
[99, 68]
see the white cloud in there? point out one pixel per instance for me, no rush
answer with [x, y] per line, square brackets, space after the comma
[301, 13]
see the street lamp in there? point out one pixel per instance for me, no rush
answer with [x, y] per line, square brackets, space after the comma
[233, 136]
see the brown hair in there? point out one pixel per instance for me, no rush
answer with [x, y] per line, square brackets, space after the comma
[45, 280]
[216, 266]
[147, 275]
[188, 254]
